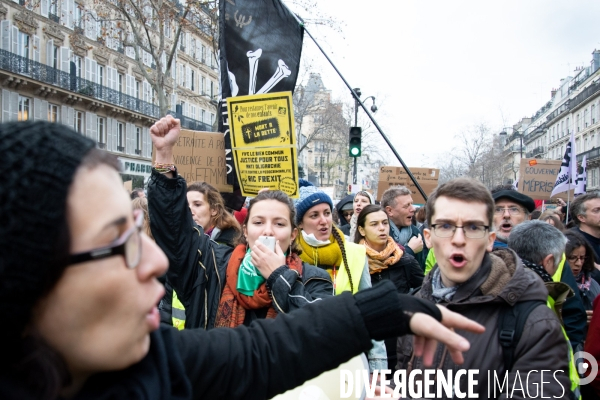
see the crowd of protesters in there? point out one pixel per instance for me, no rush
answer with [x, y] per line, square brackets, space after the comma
[95, 313]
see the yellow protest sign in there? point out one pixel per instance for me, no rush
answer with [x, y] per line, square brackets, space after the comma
[263, 144]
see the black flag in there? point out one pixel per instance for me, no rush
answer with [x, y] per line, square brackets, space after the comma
[259, 52]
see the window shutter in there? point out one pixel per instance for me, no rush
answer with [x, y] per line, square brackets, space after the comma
[65, 59]
[44, 8]
[71, 117]
[44, 112]
[37, 109]
[63, 115]
[88, 124]
[36, 48]
[109, 134]
[15, 39]
[50, 53]
[6, 32]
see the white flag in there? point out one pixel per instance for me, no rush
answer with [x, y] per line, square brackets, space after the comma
[565, 180]
[581, 180]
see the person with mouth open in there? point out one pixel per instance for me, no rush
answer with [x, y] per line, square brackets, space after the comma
[79, 292]
[512, 208]
[478, 284]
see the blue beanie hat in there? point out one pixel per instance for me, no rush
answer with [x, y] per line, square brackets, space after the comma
[310, 196]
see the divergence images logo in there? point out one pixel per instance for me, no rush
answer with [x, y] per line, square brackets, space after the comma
[588, 364]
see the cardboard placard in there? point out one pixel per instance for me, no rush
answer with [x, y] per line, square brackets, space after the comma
[263, 142]
[128, 186]
[200, 156]
[537, 177]
[396, 176]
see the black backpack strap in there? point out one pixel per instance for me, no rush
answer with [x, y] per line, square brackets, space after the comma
[511, 322]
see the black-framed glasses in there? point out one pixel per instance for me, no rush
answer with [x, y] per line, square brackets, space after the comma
[472, 231]
[577, 258]
[129, 245]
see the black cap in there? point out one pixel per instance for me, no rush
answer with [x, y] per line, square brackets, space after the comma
[515, 196]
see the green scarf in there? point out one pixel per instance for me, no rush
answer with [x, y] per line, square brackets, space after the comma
[249, 278]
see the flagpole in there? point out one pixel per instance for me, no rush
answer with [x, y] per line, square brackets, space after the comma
[357, 98]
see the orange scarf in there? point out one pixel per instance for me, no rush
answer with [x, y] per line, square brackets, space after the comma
[233, 304]
[380, 260]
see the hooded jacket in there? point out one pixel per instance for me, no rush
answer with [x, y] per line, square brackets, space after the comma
[502, 281]
[344, 225]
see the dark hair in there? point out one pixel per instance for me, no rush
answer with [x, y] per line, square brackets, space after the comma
[464, 189]
[576, 240]
[282, 198]
[141, 203]
[578, 206]
[223, 219]
[362, 218]
[33, 360]
[135, 193]
[421, 214]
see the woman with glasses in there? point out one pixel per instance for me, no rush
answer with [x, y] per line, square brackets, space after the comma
[79, 290]
[387, 261]
[579, 254]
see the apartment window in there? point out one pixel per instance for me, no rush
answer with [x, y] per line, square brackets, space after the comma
[203, 116]
[120, 83]
[78, 65]
[120, 137]
[212, 119]
[594, 177]
[53, 113]
[138, 140]
[77, 16]
[593, 113]
[203, 86]
[79, 121]
[24, 108]
[102, 132]
[54, 59]
[193, 80]
[212, 89]
[203, 53]
[100, 75]
[23, 45]
[52, 8]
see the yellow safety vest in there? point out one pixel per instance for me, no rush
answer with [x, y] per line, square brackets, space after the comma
[356, 256]
[177, 312]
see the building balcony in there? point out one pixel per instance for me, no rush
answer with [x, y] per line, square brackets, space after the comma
[538, 151]
[189, 123]
[138, 152]
[513, 148]
[46, 74]
[121, 148]
[101, 145]
[54, 17]
[593, 154]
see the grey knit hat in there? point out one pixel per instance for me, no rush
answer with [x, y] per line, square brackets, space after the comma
[37, 163]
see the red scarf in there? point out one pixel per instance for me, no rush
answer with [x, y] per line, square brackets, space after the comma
[233, 304]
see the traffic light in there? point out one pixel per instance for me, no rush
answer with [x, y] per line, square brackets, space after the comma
[355, 141]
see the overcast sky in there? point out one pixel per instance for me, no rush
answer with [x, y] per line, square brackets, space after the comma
[439, 66]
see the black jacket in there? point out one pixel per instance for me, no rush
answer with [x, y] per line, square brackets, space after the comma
[196, 264]
[573, 313]
[406, 274]
[256, 362]
[338, 208]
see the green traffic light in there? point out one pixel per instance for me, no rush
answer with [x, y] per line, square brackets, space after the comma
[355, 151]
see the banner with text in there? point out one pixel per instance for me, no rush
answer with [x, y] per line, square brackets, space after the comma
[537, 178]
[395, 176]
[200, 156]
[263, 144]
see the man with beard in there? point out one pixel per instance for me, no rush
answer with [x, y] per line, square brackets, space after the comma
[511, 209]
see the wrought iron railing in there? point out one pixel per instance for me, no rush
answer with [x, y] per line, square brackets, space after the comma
[591, 155]
[54, 17]
[535, 152]
[44, 73]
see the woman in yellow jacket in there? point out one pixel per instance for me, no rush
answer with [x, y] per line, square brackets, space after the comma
[325, 246]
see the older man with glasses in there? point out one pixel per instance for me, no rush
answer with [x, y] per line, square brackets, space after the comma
[512, 208]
